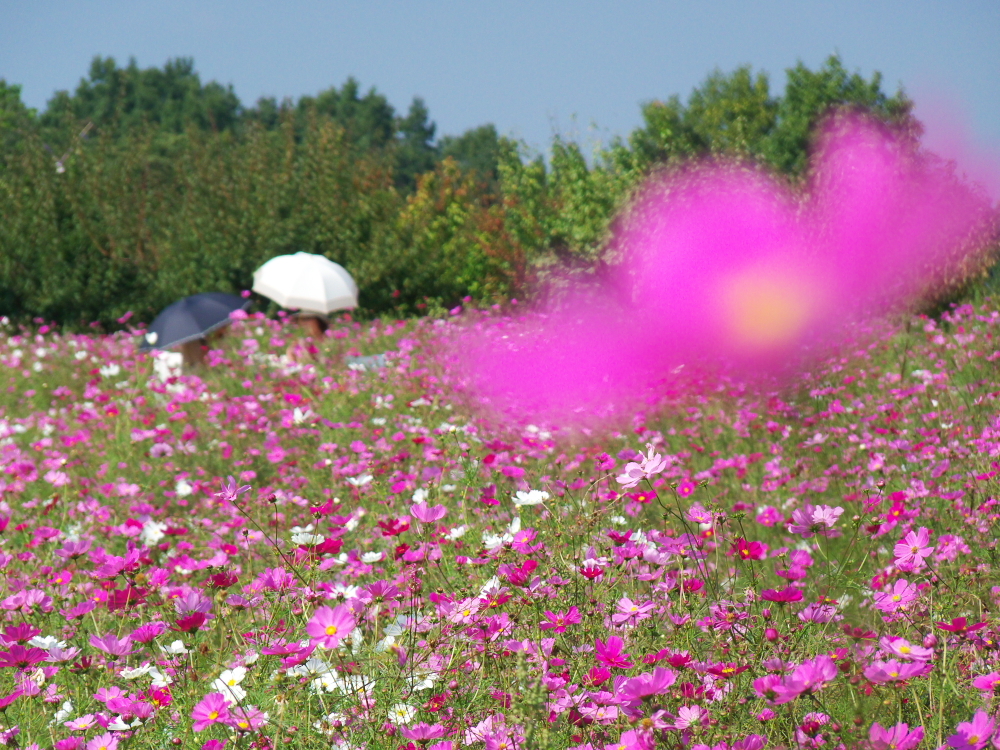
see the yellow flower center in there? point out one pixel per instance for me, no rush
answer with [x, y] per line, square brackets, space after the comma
[331, 630]
[214, 715]
[904, 649]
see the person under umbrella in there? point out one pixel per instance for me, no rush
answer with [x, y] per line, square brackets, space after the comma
[187, 322]
[310, 283]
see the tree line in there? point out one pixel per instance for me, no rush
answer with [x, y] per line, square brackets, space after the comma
[145, 185]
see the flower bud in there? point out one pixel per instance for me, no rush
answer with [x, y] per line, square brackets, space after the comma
[930, 640]
[771, 634]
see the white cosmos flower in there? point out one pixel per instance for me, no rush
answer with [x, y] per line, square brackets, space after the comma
[46, 642]
[152, 532]
[65, 711]
[360, 481]
[160, 680]
[131, 674]
[305, 537]
[231, 693]
[420, 495]
[531, 497]
[371, 557]
[233, 676]
[492, 541]
[183, 489]
[174, 649]
[402, 713]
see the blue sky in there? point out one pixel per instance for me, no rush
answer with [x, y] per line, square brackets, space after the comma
[533, 68]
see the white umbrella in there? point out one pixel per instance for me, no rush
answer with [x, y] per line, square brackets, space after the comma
[307, 282]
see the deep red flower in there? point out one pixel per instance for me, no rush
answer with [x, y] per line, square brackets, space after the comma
[190, 623]
[126, 597]
[393, 527]
[223, 579]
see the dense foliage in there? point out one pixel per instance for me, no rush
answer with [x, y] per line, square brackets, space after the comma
[280, 551]
[145, 185]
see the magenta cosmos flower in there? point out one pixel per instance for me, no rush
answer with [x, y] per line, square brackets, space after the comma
[212, 709]
[330, 625]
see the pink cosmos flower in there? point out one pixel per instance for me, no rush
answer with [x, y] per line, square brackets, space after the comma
[610, 653]
[911, 551]
[902, 595]
[987, 682]
[973, 735]
[686, 488]
[212, 709]
[422, 732]
[904, 649]
[688, 716]
[247, 718]
[111, 645]
[809, 677]
[106, 741]
[811, 520]
[22, 657]
[810, 733]
[330, 625]
[631, 613]
[465, 611]
[781, 596]
[746, 550]
[231, 491]
[635, 471]
[895, 671]
[647, 684]
[633, 739]
[899, 737]
[557, 621]
[425, 514]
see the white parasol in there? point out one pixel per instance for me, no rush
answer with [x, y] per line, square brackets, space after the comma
[308, 282]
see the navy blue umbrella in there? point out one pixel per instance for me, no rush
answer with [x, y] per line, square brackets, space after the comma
[191, 318]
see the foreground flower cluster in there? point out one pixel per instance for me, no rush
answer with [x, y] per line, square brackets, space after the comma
[285, 551]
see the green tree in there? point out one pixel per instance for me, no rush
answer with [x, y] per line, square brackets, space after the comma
[735, 113]
[811, 95]
[369, 120]
[415, 149]
[476, 150]
[126, 98]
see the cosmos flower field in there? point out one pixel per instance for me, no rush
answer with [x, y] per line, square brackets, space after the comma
[279, 553]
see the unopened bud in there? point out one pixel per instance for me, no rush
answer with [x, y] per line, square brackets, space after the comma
[771, 634]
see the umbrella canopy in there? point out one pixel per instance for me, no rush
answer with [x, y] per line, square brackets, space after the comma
[308, 282]
[191, 318]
